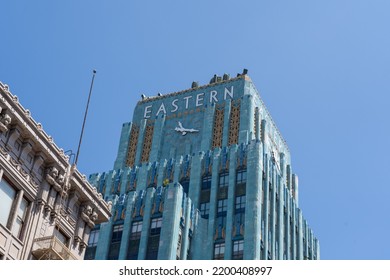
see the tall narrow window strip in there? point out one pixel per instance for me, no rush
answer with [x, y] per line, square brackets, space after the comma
[93, 238]
[7, 196]
[17, 227]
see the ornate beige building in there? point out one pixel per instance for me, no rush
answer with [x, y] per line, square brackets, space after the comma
[47, 208]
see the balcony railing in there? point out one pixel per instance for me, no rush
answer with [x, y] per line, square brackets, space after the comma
[51, 248]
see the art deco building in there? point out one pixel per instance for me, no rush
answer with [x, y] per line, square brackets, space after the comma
[47, 208]
[203, 173]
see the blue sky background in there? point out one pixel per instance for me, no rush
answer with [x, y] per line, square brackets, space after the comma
[322, 69]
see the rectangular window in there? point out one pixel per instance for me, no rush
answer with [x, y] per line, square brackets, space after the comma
[219, 251]
[90, 252]
[155, 226]
[241, 176]
[61, 237]
[135, 237]
[185, 183]
[222, 207]
[113, 252]
[20, 219]
[93, 238]
[153, 245]
[205, 210]
[7, 196]
[136, 230]
[117, 233]
[206, 182]
[238, 250]
[223, 180]
[240, 202]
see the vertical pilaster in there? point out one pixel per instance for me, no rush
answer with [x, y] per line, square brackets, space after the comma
[127, 226]
[146, 223]
[104, 240]
[142, 176]
[157, 138]
[257, 125]
[208, 127]
[287, 225]
[231, 197]
[300, 234]
[186, 230]
[160, 172]
[195, 178]
[246, 119]
[171, 222]
[281, 225]
[273, 210]
[317, 249]
[295, 188]
[124, 139]
[266, 208]
[253, 200]
[295, 244]
[199, 237]
[213, 202]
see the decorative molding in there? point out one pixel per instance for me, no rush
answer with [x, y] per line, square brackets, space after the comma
[132, 145]
[147, 144]
[218, 126]
[5, 121]
[234, 123]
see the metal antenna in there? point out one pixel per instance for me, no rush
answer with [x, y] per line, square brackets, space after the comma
[85, 117]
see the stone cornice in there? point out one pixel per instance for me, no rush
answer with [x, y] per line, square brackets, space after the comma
[22, 117]
[44, 145]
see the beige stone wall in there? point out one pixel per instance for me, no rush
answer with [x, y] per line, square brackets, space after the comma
[60, 201]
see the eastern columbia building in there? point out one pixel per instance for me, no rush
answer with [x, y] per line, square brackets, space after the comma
[202, 174]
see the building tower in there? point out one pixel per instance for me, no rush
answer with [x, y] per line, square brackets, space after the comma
[203, 173]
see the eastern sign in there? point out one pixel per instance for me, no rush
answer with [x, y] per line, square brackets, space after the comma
[188, 101]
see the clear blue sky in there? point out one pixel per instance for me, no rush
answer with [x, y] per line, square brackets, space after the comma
[322, 68]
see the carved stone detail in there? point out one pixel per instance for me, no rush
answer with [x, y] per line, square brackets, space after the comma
[88, 215]
[57, 181]
[5, 120]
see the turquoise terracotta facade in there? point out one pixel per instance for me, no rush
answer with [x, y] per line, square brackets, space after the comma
[203, 173]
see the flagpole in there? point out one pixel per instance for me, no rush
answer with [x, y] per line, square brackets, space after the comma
[85, 117]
